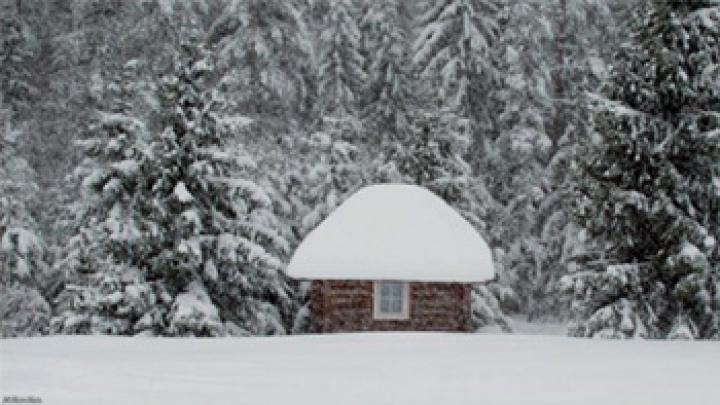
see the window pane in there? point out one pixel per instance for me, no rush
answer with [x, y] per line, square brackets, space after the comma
[397, 306]
[384, 289]
[384, 306]
[396, 290]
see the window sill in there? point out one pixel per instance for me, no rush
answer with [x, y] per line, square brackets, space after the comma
[391, 317]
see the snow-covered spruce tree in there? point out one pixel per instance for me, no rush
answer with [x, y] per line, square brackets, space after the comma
[23, 270]
[340, 63]
[334, 168]
[25, 274]
[578, 50]
[649, 184]
[222, 236]
[288, 187]
[332, 175]
[106, 290]
[207, 248]
[454, 50]
[547, 52]
[512, 158]
[16, 55]
[263, 48]
[385, 28]
[331, 168]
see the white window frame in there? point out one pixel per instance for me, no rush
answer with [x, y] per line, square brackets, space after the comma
[404, 305]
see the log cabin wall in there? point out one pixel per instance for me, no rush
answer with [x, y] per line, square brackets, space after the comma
[347, 306]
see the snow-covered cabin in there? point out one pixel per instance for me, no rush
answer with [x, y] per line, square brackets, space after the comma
[392, 257]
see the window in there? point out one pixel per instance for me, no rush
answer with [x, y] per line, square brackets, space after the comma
[391, 300]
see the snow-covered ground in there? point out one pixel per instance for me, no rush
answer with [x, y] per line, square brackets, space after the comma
[372, 368]
[539, 328]
[521, 326]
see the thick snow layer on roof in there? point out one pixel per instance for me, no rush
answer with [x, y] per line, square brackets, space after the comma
[394, 232]
[360, 369]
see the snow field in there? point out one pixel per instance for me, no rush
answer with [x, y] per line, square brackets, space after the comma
[371, 368]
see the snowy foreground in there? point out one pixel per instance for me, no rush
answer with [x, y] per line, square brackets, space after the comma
[408, 368]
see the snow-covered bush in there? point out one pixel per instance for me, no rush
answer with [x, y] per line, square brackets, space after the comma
[24, 311]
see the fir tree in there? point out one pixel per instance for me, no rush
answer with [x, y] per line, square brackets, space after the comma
[648, 185]
[515, 147]
[577, 52]
[204, 260]
[263, 47]
[340, 64]
[222, 230]
[454, 49]
[17, 48]
[333, 174]
[335, 169]
[26, 276]
[550, 61]
[24, 272]
[105, 255]
[388, 92]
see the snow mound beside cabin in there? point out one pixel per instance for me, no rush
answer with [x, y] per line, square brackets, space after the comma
[394, 232]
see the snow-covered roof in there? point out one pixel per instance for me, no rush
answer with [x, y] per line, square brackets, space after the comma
[393, 232]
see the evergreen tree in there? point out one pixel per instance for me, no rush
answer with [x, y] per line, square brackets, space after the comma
[582, 34]
[26, 278]
[104, 257]
[225, 224]
[17, 49]
[515, 149]
[263, 47]
[333, 174]
[648, 185]
[454, 50]
[389, 87]
[340, 64]
[24, 273]
[550, 57]
[201, 256]
[335, 168]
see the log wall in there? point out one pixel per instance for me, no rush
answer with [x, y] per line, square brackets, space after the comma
[347, 306]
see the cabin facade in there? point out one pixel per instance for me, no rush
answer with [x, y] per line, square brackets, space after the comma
[360, 305]
[392, 258]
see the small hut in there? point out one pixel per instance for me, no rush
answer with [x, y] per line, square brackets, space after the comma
[392, 258]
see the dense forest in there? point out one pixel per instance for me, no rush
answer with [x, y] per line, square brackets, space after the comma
[161, 159]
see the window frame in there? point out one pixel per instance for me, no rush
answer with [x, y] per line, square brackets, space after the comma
[404, 313]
